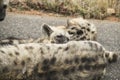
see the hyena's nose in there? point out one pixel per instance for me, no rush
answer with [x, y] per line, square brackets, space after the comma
[61, 39]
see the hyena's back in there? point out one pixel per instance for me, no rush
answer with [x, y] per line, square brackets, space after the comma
[73, 60]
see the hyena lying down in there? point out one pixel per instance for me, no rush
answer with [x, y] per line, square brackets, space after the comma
[3, 6]
[48, 35]
[75, 60]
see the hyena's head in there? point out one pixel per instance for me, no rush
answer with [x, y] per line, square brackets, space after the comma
[3, 6]
[55, 34]
[81, 29]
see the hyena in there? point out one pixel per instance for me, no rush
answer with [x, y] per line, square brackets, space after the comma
[81, 29]
[3, 6]
[49, 34]
[75, 60]
[77, 29]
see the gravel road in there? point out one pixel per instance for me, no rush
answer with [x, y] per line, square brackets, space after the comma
[26, 26]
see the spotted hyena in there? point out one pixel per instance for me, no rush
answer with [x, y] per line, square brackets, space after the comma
[3, 6]
[50, 34]
[75, 60]
[77, 29]
[81, 29]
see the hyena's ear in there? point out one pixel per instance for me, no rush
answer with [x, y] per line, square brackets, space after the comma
[46, 29]
[70, 22]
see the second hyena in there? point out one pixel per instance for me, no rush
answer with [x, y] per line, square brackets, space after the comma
[75, 60]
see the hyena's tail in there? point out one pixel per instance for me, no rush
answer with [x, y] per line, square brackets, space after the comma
[111, 56]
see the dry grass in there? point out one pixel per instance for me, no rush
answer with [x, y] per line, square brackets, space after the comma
[86, 8]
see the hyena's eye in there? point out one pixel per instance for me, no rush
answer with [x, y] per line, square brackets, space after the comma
[73, 28]
[71, 32]
[59, 36]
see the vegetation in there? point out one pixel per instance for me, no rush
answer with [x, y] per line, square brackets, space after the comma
[87, 8]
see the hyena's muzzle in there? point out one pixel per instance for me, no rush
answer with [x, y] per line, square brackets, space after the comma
[2, 12]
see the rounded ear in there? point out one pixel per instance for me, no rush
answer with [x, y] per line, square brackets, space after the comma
[70, 22]
[46, 29]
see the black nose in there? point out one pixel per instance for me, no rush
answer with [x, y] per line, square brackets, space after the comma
[61, 39]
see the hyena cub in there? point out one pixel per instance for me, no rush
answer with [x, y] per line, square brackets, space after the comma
[3, 6]
[81, 29]
[49, 34]
[75, 60]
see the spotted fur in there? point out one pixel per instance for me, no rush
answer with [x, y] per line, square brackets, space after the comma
[48, 35]
[81, 29]
[3, 6]
[75, 60]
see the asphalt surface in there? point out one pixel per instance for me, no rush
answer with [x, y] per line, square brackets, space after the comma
[26, 26]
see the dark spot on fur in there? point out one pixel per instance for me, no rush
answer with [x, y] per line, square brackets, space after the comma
[5, 69]
[53, 60]
[59, 48]
[10, 54]
[101, 48]
[48, 47]
[88, 59]
[80, 67]
[76, 59]
[90, 44]
[99, 66]
[106, 55]
[41, 74]
[88, 29]
[29, 59]
[73, 28]
[16, 46]
[88, 24]
[45, 62]
[0, 61]
[27, 48]
[35, 69]
[17, 53]
[2, 51]
[68, 61]
[82, 27]
[66, 72]
[102, 66]
[83, 38]
[42, 52]
[79, 32]
[23, 63]
[72, 69]
[88, 39]
[45, 67]
[66, 48]
[87, 66]
[92, 32]
[52, 73]
[15, 62]
[31, 47]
